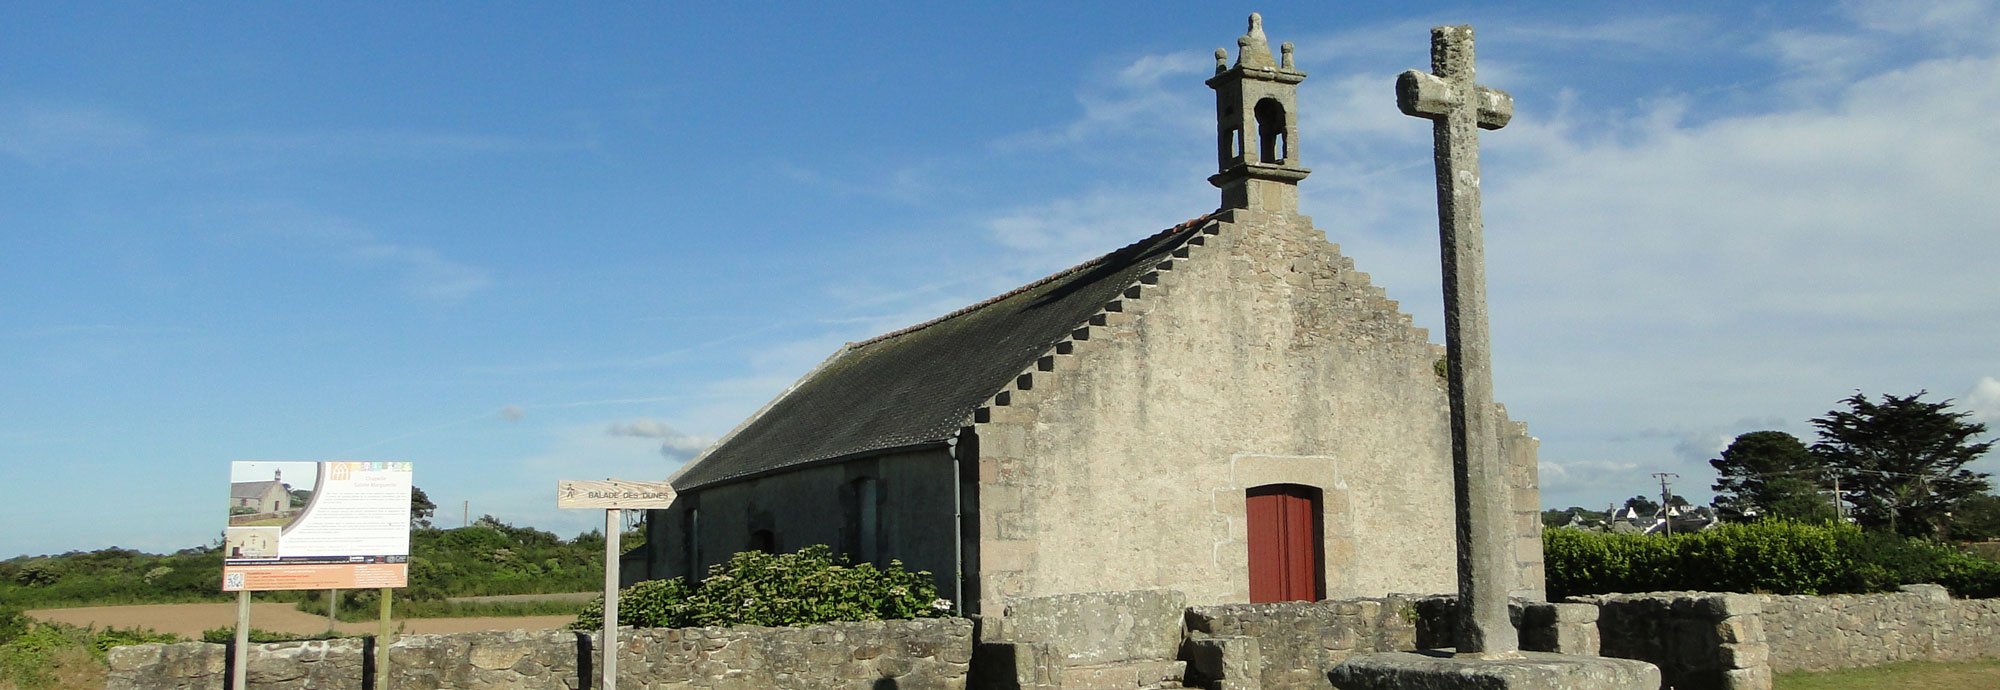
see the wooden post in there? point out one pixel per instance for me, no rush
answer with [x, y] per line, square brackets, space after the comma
[610, 651]
[612, 495]
[332, 608]
[382, 644]
[239, 676]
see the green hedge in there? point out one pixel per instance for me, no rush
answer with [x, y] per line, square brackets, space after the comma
[756, 588]
[1768, 557]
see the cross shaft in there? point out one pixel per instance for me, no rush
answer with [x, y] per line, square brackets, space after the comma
[1458, 109]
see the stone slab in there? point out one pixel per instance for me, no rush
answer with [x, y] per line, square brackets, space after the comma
[1437, 670]
[1100, 627]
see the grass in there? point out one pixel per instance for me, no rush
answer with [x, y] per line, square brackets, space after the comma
[1907, 675]
[54, 656]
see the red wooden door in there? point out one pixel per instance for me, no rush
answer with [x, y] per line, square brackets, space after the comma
[1284, 543]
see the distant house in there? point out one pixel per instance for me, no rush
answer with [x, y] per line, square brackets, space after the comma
[261, 497]
[1685, 519]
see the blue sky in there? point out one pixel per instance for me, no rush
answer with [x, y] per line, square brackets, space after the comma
[519, 243]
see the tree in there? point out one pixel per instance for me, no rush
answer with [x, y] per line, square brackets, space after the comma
[1642, 505]
[1976, 518]
[1559, 517]
[421, 507]
[1770, 474]
[1902, 461]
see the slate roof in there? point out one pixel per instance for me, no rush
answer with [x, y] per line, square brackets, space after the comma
[921, 384]
[252, 489]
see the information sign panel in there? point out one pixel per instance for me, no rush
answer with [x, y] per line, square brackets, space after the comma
[317, 525]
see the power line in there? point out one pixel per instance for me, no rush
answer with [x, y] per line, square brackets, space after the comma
[1666, 501]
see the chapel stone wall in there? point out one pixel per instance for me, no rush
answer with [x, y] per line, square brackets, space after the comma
[815, 505]
[1257, 356]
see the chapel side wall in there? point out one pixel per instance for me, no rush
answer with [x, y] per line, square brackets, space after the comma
[1262, 357]
[1522, 454]
[815, 505]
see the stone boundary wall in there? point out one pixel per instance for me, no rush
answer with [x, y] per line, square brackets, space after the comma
[1559, 628]
[1700, 640]
[1088, 641]
[1291, 644]
[1922, 622]
[1140, 639]
[907, 655]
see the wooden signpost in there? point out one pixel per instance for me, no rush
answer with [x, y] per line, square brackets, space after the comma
[612, 495]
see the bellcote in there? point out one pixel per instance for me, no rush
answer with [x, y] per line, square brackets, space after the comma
[1257, 125]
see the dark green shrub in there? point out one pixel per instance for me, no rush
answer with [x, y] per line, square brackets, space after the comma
[755, 588]
[1776, 557]
[13, 624]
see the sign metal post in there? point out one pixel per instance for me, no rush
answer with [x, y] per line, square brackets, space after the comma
[239, 675]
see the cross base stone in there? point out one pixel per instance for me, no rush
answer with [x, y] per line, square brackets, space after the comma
[1439, 670]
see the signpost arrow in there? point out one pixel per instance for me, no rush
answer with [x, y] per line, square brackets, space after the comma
[612, 495]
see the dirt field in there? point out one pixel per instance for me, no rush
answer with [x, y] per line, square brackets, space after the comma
[188, 620]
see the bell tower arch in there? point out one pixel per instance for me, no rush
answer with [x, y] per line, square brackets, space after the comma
[1257, 125]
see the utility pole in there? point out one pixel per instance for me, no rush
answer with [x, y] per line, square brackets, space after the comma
[1666, 501]
[1839, 507]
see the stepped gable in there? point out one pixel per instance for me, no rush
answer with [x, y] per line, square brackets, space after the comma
[921, 384]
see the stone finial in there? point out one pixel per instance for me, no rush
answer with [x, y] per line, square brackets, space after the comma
[1221, 60]
[1253, 50]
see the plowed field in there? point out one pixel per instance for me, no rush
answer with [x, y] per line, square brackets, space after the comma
[188, 620]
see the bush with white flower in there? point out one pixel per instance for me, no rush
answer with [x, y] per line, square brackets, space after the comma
[808, 587]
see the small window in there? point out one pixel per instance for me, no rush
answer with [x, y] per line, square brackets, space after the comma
[866, 520]
[694, 543]
[763, 540]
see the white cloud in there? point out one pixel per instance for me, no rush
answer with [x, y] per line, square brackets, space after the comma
[673, 443]
[1983, 401]
[421, 272]
[1144, 98]
[50, 134]
[1945, 24]
[425, 274]
[1732, 269]
[1073, 229]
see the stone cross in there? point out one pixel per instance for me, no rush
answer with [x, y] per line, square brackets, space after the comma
[1458, 109]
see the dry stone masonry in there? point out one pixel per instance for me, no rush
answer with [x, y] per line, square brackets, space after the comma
[1137, 640]
[1291, 644]
[1700, 640]
[1920, 623]
[908, 655]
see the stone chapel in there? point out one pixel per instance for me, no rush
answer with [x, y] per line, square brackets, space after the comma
[1226, 408]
